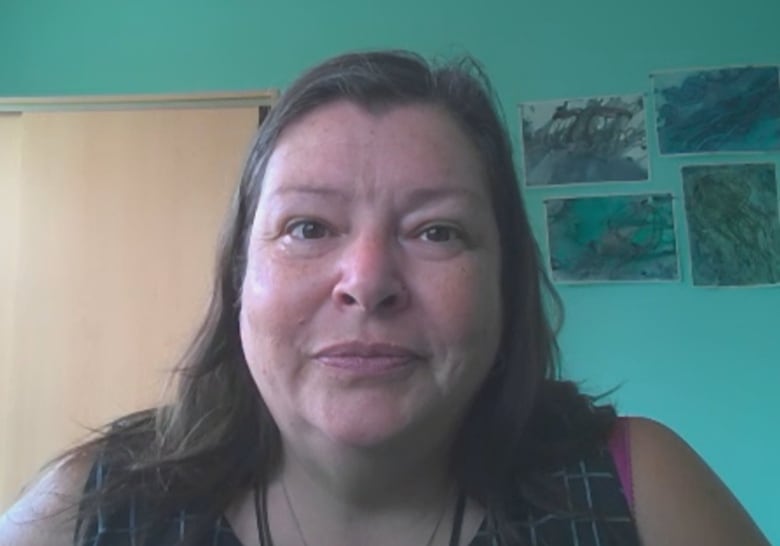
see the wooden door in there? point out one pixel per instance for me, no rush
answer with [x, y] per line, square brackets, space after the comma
[110, 221]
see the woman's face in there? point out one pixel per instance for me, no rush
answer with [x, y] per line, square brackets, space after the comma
[370, 309]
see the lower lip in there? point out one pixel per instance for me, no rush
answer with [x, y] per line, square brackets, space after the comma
[361, 365]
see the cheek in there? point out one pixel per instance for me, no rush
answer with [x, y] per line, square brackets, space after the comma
[276, 301]
[465, 326]
[469, 307]
[275, 294]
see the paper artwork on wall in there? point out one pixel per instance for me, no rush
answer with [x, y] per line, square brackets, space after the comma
[733, 224]
[612, 238]
[734, 109]
[575, 141]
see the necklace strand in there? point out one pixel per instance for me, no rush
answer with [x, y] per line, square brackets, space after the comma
[293, 514]
[299, 528]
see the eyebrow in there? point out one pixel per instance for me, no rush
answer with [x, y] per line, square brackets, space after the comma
[322, 191]
[415, 198]
[422, 196]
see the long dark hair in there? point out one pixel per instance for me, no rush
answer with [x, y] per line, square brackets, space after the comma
[217, 437]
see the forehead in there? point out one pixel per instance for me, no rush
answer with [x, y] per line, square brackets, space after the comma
[344, 141]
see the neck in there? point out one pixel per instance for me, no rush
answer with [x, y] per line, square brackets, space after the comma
[357, 496]
[362, 480]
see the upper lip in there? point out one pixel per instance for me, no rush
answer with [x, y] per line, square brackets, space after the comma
[365, 350]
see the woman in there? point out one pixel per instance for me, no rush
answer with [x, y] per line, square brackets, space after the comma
[377, 365]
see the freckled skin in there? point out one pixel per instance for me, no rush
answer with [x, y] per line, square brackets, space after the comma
[378, 268]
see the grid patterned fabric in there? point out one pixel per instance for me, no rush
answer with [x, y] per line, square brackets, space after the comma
[597, 511]
[598, 515]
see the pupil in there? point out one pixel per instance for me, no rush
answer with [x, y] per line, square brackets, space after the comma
[438, 234]
[311, 231]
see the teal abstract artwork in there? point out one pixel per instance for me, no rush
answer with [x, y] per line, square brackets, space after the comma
[574, 141]
[718, 110]
[733, 224]
[612, 238]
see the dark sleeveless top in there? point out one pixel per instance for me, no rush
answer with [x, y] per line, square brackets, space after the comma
[592, 490]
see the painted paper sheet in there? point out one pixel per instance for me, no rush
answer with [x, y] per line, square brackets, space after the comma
[612, 238]
[599, 139]
[733, 224]
[718, 110]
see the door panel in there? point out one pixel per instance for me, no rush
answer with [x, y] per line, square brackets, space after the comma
[10, 162]
[118, 217]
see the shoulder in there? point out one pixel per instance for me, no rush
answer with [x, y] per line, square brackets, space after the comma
[46, 511]
[679, 500]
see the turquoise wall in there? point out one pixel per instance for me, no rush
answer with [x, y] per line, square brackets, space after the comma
[704, 361]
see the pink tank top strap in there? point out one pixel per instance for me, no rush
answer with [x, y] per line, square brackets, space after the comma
[620, 448]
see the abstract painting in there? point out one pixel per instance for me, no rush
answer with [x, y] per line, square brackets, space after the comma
[612, 238]
[733, 224]
[598, 139]
[718, 110]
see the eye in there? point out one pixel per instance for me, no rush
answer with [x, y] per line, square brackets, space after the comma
[307, 230]
[441, 234]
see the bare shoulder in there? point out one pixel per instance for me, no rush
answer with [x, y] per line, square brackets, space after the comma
[679, 500]
[45, 512]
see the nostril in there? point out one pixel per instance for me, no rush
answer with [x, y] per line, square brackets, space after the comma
[369, 298]
[389, 301]
[348, 299]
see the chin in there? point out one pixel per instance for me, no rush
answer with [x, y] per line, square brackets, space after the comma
[361, 438]
[366, 424]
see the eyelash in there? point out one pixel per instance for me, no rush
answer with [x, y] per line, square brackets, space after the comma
[291, 227]
[455, 233]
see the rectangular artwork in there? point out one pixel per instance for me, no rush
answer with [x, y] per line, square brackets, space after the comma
[733, 109]
[612, 238]
[733, 224]
[575, 141]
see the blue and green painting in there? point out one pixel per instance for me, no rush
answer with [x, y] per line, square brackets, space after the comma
[612, 238]
[718, 110]
[733, 224]
[575, 141]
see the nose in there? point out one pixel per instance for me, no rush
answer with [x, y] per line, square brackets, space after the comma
[371, 276]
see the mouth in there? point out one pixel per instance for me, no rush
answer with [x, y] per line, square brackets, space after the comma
[367, 358]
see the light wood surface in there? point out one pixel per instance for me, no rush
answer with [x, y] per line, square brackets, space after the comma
[10, 162]
[117, 218]
[265, 97]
